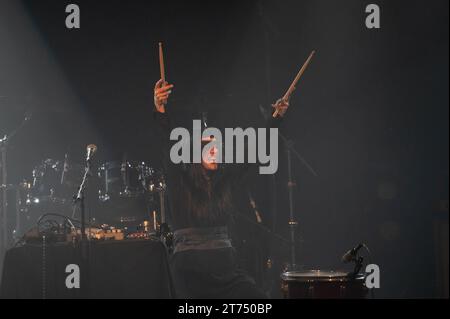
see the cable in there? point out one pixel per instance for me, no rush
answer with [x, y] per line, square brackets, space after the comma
[51, 224]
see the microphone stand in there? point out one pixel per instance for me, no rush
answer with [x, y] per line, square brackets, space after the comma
[4, 187]
[292, 223]
[80, 198]
[4, 144]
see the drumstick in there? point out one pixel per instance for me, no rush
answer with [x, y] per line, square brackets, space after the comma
[291, 89]
[161, 63]
[161, 67]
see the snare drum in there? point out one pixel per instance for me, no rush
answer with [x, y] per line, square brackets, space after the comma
[319, 284]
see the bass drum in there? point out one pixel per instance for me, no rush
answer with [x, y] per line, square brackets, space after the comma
[319, 284]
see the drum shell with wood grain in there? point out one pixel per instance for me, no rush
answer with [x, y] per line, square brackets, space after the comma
[318, 284]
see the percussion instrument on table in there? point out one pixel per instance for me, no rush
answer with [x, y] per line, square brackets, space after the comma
[319, 284]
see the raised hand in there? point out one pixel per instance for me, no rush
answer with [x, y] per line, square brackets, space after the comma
[280, 107]
[161, 95]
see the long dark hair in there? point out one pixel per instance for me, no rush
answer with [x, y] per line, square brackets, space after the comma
[209, 197]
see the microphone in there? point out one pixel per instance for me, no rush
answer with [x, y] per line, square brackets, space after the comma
[91, 149]
[351, 254]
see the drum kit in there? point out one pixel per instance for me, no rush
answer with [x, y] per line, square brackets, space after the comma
[130, 195]
[127, 199]
[124, 194]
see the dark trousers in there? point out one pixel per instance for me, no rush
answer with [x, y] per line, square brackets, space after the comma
[211, 274]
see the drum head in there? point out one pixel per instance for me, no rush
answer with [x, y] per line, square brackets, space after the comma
[315, 275]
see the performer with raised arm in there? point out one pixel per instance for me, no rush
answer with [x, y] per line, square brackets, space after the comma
[204, 261]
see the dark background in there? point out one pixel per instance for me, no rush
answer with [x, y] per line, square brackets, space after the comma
[370, 114]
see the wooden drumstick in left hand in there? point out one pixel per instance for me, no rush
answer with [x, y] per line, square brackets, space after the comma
[161, 63]
[161, 67]
[291, 89]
